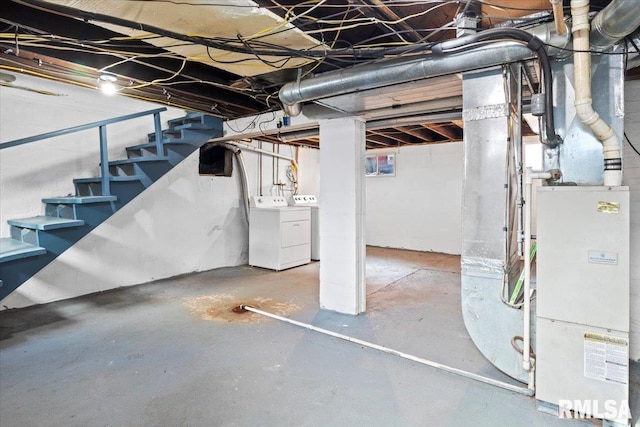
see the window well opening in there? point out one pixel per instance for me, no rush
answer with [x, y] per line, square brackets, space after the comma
[216, 161]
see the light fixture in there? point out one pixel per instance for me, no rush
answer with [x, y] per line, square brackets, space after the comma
[106, 83]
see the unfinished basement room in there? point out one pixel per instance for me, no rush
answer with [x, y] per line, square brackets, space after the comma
[321, 213]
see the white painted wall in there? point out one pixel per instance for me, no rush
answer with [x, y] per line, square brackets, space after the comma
[46, 168]
[269, 179]
[632, 179]
[420, 207]
[309, 176]
[183, 223]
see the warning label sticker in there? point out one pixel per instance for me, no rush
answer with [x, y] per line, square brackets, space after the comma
[606, 358]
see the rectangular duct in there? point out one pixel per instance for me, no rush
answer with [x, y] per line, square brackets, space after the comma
[491, 114]
[580, 154]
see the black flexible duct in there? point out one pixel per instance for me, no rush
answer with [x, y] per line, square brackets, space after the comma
[534, 44]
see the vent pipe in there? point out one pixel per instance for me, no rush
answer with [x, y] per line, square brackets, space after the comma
[616, 21]
[467, 56]
[558, 16]
[583, 100]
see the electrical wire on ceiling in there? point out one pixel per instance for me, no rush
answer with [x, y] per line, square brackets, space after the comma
[310, 17]
[355, 22]
[262, 50]
[226, 44]
[62, 43]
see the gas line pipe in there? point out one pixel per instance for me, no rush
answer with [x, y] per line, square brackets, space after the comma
[387, 350]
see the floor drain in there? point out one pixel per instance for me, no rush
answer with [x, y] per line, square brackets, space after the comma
[239, 309]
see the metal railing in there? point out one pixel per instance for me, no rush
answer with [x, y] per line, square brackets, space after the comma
[102, 128]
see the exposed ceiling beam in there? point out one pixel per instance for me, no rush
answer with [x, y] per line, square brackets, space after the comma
[398, 136]
[416, 132]
[378, 10]
[458, 123]
[376, 137]
[442, 130]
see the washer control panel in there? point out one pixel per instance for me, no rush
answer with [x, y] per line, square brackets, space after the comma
[265, 202]
[304, 200]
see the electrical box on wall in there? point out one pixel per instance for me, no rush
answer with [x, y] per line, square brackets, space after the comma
[582, 360]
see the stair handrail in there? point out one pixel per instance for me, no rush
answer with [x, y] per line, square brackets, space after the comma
[102, 127]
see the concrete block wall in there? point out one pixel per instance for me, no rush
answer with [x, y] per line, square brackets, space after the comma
[420, 208]
[632, 179]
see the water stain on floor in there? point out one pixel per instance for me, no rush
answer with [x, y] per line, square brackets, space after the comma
[226, 308]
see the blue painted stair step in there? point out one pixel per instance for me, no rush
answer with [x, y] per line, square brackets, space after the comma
[38, 240]
[45, 222]
[12, 249]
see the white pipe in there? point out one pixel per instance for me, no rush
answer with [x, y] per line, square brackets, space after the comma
[449, 369]
[248, 147]
[530, 175]
[260, 150]
[245, 177]
[558, 16]
[583, 101]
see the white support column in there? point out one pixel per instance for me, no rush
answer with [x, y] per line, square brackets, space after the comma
[342, 204]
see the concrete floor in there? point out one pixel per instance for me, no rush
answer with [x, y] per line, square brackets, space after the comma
[173, 353]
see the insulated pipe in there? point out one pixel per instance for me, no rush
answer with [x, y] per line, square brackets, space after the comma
[619, 19]
[420, 360]
[558, 16]
[530, 175]
[583, 101]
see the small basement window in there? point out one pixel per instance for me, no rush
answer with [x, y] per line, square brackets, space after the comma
[216, 161]
[380, 165]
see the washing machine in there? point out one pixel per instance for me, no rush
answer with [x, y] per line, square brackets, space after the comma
[279, 234]
[312, 202]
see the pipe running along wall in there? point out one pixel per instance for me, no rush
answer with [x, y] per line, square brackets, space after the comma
[583, 100]
[242, 146]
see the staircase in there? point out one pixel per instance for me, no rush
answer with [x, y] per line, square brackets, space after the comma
[37, 241]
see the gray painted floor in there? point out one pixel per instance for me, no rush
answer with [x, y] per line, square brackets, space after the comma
[172, 353]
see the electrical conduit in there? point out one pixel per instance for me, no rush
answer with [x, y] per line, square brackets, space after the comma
[583, 101]
[420, 360]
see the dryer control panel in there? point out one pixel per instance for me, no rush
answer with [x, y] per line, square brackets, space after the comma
[265, 202]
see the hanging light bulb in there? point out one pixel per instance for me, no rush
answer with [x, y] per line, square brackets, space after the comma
[106, 83]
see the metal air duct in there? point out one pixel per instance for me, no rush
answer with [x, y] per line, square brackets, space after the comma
[401, 70]
[616, 21]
